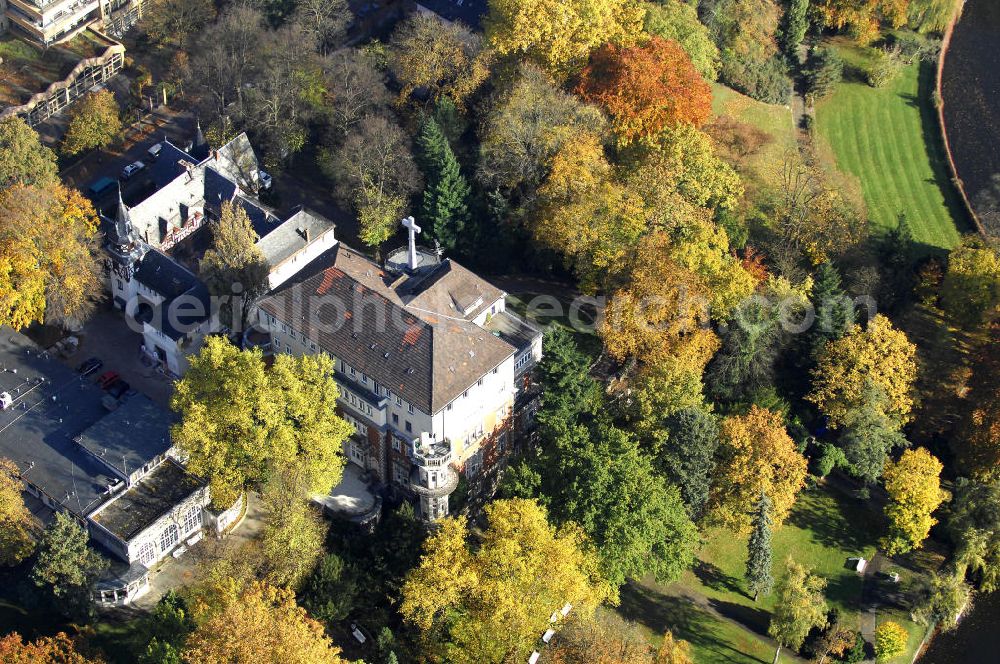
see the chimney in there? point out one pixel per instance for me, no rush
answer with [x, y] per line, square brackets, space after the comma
[307, 234]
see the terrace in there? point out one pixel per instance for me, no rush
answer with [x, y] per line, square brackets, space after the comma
[31, 76]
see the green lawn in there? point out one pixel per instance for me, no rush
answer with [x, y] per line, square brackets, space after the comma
[776, 121]
[888, 138]
[824, 529]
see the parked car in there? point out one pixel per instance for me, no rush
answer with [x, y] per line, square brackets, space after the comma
[265, 180]
[119, 388]
[107, 378]
[155, 151]
[90, 365]
[100, 187]
[132, 169]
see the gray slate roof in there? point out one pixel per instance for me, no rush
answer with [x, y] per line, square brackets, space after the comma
[37, 432]
[405, 332]
[176, 284]
[283, 241]
[131, 436]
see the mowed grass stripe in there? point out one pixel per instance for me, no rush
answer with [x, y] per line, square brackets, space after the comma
[877, 135]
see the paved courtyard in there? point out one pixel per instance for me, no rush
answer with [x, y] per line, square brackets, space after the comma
[172, 573]
[107, 336]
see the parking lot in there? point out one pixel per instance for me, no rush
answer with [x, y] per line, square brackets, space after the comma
[108, 337]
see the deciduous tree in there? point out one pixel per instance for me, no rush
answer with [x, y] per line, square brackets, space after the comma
[292, 540]
[879, 355]
[356, 88]
[890, 640]
[16, 523]
[939, 599]
[23, 158]
[977, 443]
[259, 623]
[94, 122]
[914, 487]
[176, 21]
[234, 267]
[862, 17]
[600, 479]
[240, 422]
[974, 527]
[646, 88]
[758, 569]
[756, 456]
[870, 435]
[800, 606]
[325, 21]
[492, 603]
[58, 649]
[373, 170]
[971, 288]
[442, 57]
[528, 122]
[602, 640]
[559, 35]
[48, 256]
[678, 20]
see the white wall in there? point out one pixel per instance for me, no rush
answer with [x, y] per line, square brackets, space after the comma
[284, 270]
[176, 518]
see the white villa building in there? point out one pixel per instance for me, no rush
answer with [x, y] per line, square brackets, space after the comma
[428, 359]
[154, 246]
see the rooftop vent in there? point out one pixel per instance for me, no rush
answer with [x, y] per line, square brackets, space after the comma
[409, 370]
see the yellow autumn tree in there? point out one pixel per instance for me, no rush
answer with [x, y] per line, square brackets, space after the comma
[16, 541]
[259, 623]
[878, 356]
[49, 270]
[586, 216]
[660, 314]
[560, 35]
[863, 17]
[756, 455]
[495, 601]
[914, 487]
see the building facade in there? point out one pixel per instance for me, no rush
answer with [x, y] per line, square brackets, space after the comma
[49, 22]
[429, 363]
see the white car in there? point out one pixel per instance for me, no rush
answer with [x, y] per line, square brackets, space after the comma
[265, 180]
[132, 169]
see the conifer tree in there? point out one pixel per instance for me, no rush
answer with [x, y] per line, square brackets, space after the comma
[758, 573]
[834, 312]
[444, 209]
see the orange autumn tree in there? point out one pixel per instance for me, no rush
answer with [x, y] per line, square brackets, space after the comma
[58, 649]
[862, 18]
[646, 88]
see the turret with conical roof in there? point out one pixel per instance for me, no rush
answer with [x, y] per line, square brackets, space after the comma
[122, 241]
[199, 149]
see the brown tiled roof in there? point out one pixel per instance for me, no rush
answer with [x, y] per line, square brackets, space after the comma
[404, 333]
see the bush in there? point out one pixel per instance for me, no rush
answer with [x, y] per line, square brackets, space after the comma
[856, 654]
[914, 47]
[885, 67]
[765, 81]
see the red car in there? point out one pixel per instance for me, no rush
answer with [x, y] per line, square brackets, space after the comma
[106, 379]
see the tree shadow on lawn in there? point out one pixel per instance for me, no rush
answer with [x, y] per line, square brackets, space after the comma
[756, 620]
[681, 615]
[834, 521]
[711, 576]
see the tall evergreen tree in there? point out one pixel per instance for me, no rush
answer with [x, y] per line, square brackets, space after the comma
[898, 255]
[687, 455]
[445, 206]
[564, 374]
[758, 573]
[66, 567]
[834, 310]
[794, 26]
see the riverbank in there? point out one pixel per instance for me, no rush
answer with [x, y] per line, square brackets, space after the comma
[976, 640]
